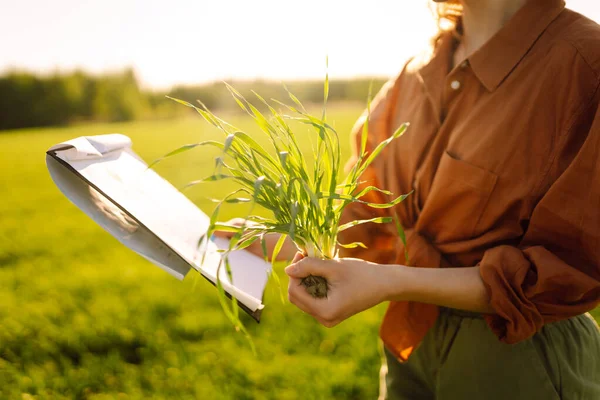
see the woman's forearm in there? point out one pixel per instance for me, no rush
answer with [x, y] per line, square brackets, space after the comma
[356, 285]
[460, 288]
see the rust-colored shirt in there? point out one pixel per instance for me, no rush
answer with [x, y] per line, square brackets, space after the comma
[503, 155]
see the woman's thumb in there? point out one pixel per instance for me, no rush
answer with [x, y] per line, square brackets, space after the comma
[306, 266]
[299, 256]
[293, 267]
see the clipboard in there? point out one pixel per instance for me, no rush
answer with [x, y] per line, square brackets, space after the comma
[109, 182]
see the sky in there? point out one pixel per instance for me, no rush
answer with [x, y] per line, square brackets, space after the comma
[194, 41]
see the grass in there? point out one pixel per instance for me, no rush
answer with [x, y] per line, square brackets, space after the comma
[83, 317]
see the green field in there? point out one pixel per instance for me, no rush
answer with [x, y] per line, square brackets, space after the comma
[83, 317]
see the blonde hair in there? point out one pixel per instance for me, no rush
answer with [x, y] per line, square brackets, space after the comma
[447, 14]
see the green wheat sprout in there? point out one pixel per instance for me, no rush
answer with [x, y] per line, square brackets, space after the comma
[305, 199]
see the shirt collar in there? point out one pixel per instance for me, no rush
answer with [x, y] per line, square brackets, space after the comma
[498, 57]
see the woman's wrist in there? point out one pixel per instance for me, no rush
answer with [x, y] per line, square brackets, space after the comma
[395, 282]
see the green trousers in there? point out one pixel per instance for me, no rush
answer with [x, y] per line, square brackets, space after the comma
[460, 358]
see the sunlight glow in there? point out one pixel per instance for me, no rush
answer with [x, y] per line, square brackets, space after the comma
[192, 41]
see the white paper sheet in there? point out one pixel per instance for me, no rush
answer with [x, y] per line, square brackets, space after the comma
[111, 184]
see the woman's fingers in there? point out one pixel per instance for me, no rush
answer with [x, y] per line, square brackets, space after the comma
[325, 311]
[224, 234]
[297, 291]
[229, 235]
[295, 296]
[298, 296]
[353, 286]
[310, 266]
[286, 252]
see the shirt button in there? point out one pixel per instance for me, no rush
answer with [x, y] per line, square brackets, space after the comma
[464, 64]
[455, 85]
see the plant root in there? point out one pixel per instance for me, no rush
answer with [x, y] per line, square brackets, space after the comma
[316, 286]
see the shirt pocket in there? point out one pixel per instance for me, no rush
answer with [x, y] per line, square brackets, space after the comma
[459, 194]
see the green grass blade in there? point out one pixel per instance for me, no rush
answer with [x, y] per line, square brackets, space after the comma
[182, 149]
[352, 245]
[377, 220]
[402, 236]
[380, 147]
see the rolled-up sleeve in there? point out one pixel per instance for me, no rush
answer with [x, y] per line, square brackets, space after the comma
[554, 273]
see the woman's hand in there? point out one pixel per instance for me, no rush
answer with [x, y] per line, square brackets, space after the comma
[285, 254]
[354, 286]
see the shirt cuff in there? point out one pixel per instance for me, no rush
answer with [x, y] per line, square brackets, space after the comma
[505, 271]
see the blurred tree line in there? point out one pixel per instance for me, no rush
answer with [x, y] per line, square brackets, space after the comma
[29, 100]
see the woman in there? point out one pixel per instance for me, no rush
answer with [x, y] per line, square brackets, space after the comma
[503, 155]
